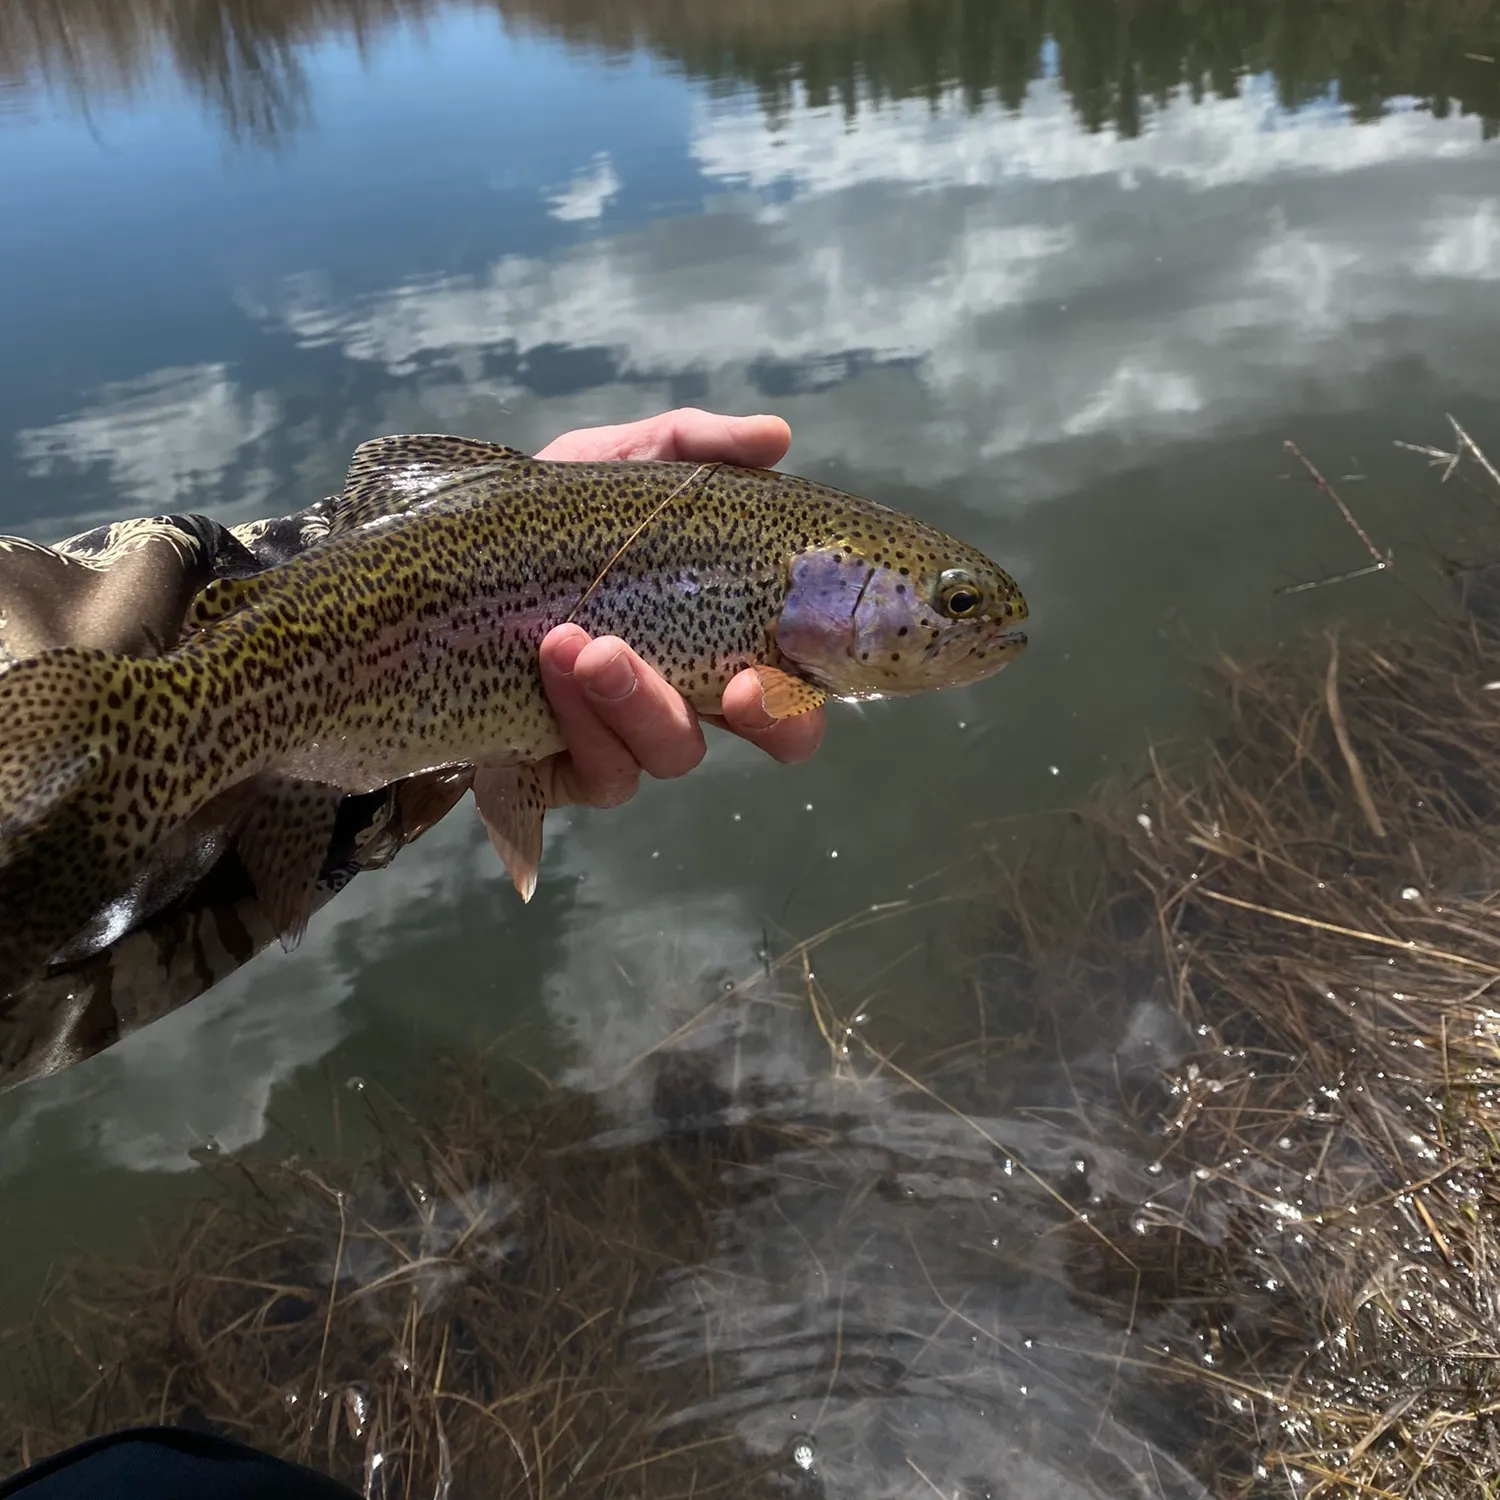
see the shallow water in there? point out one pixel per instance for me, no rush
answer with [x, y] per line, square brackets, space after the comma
[1020, 278]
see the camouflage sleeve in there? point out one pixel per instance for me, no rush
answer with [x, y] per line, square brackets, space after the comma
[127, 587]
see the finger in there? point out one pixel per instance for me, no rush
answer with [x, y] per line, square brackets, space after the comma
[603, 444]
[687, 434]
[706, 437]
[790, 741]
[598, 770]
[640, 707]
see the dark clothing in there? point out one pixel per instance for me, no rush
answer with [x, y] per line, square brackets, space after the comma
[168, 1463]
[126, 587]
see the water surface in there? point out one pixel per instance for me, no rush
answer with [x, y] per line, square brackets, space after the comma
[1059, 278]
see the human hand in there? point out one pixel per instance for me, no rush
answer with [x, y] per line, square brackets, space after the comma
[619, 715]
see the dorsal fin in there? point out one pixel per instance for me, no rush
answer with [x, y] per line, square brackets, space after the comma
[223, 597]
[389, 474]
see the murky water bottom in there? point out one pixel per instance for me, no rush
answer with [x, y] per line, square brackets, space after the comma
[762, 1233]
[863, 1216]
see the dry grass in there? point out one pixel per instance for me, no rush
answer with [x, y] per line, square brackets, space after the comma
[1320, 906]
[456, 1305]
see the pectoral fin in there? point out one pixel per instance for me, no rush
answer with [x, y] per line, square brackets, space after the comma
[512, 805]
[785, 696]
[283, 841]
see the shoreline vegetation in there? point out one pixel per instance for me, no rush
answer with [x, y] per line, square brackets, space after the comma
[240, 59]
[1271, 1178]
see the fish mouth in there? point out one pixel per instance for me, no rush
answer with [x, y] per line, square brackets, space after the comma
[1001, 647]
[1004, 644]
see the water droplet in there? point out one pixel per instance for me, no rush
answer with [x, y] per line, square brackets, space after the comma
[804, 1455]
[205, 1151]
[1153, 1169]
[356, 1410]
[1410, 893]
[1144, 819]
[355, 1085]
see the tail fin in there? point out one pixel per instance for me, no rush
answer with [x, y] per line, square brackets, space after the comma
[70, 834]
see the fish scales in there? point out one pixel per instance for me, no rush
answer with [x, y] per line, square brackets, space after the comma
[455, 643]
[408, 640]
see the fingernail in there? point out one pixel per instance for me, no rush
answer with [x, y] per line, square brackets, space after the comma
[614, 680]
[563, 659]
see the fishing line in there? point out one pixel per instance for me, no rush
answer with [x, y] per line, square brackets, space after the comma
[629, 541]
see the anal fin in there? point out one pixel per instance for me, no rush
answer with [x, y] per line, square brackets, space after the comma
[511, 806]
[283, 842]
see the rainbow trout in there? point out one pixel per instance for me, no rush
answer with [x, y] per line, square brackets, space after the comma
[406, 642]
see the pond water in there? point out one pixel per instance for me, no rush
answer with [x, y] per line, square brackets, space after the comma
[1060, 278]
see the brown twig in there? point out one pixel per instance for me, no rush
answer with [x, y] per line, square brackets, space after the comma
[1451, 462]
[1473, 449]
[1380, 560]
[1357, 776]
[630, 540]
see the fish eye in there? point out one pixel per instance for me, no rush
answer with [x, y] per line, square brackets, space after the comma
[958, 594]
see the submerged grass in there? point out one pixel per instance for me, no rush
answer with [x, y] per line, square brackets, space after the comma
[1290, 1217]
[456, 1304]
[1319, 906]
